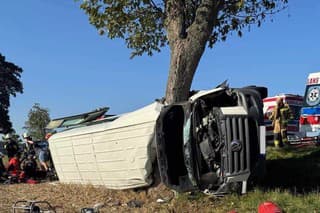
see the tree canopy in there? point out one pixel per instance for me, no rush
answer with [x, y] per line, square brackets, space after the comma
[187, 26]
[38, 118]
[143, 23]
[10, 84]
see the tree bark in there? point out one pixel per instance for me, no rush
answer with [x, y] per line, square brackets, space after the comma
[184, 60]
[187, 45]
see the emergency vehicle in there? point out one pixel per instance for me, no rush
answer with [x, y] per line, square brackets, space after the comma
[295, 103]
[310, 112]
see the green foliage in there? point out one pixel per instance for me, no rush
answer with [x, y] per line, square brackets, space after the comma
[38, 118]
[142, 23]
[10, 84]
[238, 14]
[139, 22]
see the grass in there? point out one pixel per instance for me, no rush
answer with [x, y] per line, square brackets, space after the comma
[293, 169]
[292, 181]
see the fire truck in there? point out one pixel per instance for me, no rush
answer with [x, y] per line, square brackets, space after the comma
[295, 103]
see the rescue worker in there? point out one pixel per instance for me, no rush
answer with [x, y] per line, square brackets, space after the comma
[29, 167]
[2, 167]
[10, 145]
[14, 165]
[29, 143]
[279, 117]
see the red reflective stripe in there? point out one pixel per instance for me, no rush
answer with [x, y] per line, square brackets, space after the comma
[302, 120]
[284, 97]
[269, 99]
[310, 119]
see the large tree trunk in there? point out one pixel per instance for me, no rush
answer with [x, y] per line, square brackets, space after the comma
[186, 45]
[185, 58]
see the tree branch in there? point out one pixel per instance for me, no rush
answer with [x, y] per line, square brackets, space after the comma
[154, 5]
[205, 20]
[175, 20]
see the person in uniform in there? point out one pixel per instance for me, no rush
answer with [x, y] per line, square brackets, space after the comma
[280, 116]
[10, 145]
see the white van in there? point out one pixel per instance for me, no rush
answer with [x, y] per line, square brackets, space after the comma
[215, 141]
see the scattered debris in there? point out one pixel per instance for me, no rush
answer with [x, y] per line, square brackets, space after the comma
[32, 206]
[135, 204]
[94, 209]
[98, 205]
[160, 200]
[88, 210]
[115, 203]
[168, 198]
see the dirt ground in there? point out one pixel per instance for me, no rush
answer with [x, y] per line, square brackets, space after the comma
[72, 198]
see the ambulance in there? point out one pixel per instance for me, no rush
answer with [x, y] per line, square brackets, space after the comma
[310, 112]
[295, 103]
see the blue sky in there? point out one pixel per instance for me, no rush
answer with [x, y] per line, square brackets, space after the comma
[70, 69]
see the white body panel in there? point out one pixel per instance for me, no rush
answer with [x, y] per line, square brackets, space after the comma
[116, 154]
[313, 78]
[237, 110]
[203, 93]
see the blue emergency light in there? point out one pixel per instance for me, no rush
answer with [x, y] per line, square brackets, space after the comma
[310, 111]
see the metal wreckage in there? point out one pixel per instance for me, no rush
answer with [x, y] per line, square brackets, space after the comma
[215, 141]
